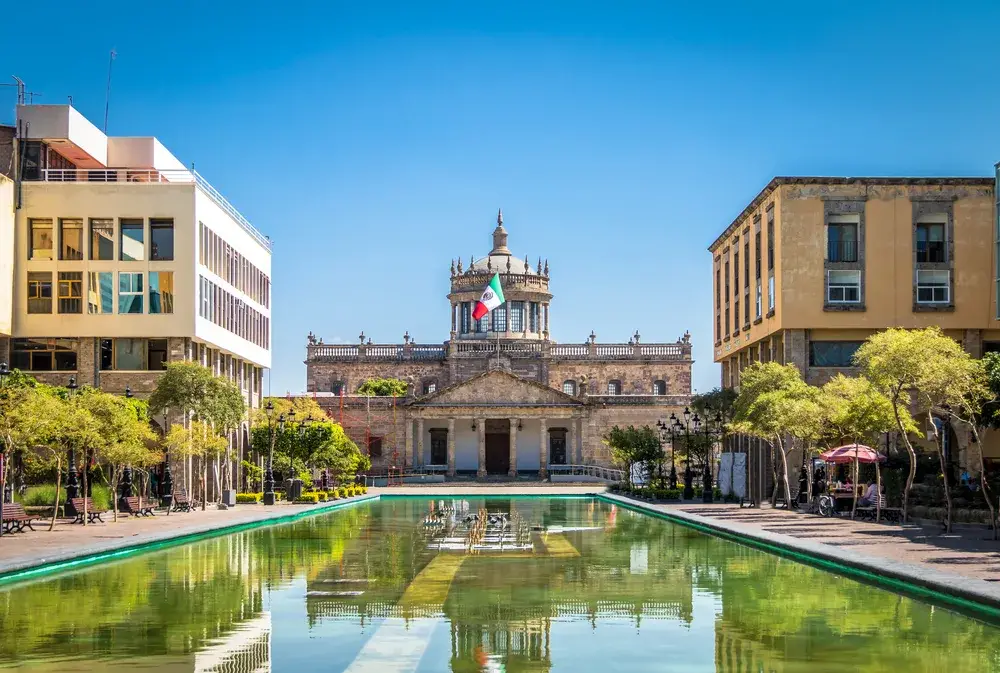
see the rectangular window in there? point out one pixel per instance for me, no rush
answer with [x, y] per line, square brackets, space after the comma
[736, 273]
[100, 292]
[500, 318]
[841, 241]
[71, 292]
[832, 353]
[131, 243]
[933, 286]
[756, 253]
[40, 235]
[517, 316]
[161, 291]
[439, 447]
[770, 292]
[736, 314]
[482, 325]
[533, 316]
[71, 239]
[102, 239]
[843, 287]
[375, 447]
[130, 354]
[156, 355]
[760, 298]
[931, 243]
[40, 292]
[31, 159]
[770, 240]
[161, 239]
[466, 316]
[43, 355]
[718, 288]
[746, 263]
[129, 292]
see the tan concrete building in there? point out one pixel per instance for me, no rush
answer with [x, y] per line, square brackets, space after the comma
[6, 229]
[813, 266]
[499, 396]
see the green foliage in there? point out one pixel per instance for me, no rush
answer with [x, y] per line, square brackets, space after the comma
[383, 388]
[189, 387]
[856, 411]
[308, 498]
[248, 498]
[322, 444]
[717, 400]
[304, 407]
[634, 446]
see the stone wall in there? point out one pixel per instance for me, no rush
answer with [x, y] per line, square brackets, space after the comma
[600, 419]
[321, 376]
[636, 377]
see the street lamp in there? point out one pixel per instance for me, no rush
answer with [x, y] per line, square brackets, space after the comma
[710, 432]
[667, 429]
[167, 484]
[269, 473]
[72, 483]
[125, 488]
[686, 427]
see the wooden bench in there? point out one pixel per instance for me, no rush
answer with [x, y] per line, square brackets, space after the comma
[870, 513]
[134, 507]
[93, 516]
[181, 502]
[15, 519]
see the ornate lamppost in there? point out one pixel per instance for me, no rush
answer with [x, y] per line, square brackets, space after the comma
[686, 427]
[269, 472]
[167, 484]
[667, 429]
[298, 429]
[72, 483]
[125, 488]
[710, 432]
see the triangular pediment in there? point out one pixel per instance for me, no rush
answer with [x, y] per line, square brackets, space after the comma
[497, 388]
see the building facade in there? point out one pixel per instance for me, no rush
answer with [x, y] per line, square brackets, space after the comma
[813, 266]
[499, 396]
[123, 260]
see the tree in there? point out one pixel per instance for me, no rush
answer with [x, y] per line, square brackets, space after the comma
[923, 366]
[980, 414]
[857, 412]
[304, 407]
[383, 388]
[124, 433]
[199, 440]
[322, 443]
[776, 405]
[634, 446]
[14, 390]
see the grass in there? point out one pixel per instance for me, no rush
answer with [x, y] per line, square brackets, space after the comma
[43, 495]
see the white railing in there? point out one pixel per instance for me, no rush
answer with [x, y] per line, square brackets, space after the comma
[570, 350]
[606, 473]
[153, 176]
[612, 350]
[375, 352]
[668, 350]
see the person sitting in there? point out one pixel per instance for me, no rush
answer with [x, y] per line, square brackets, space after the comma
[870, 496]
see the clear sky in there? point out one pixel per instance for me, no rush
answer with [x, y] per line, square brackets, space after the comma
[374, 142]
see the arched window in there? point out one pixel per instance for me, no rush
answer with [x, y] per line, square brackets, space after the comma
[614, 387]
[338, 387]
[430, 387]
[569, 387]
[659, 388]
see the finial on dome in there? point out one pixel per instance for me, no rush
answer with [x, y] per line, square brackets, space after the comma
[546, 267]
[453, 267]
[472, 263]
[527, 264]
[500, 237]
[460, 265]
[508, 265]
[539, 266]
[489, 263]
[499, 216]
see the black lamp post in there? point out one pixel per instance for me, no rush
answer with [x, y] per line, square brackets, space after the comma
[125, 488]
[8, 485]
[269, 472]
[667, 430]
[710, 432]
[167, 484]
[686, 427]
[72, 482]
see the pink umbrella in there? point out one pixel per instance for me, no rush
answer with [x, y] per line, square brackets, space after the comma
[850, 453]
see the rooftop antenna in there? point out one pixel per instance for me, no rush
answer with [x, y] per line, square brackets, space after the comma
[107, 93]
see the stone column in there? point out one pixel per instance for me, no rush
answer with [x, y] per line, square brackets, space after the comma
[543, 452]
[408, 444]
[419, 458]
[453, 319]
[481, 424]
[512, 472]
[583, 437]
[545, 310]
[571, 452]
[451, 447]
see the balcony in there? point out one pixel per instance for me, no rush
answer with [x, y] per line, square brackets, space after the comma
[842, 251]
[931, 252]
[150, 176]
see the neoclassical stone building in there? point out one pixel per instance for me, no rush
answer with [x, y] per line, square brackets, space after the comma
[499, 396]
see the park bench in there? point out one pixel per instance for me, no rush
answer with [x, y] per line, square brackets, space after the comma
[135, 507]
[93, 516]
[870, 513]
[181, 502]
[15, 519]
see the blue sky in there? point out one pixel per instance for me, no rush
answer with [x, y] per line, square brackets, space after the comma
[374, 141]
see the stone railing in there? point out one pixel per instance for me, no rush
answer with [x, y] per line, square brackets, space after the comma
[647, 399]
[478, 279]
[630, 351]
[373, 352]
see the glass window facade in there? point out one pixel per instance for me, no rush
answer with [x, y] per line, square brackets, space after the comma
[161, 239]
[933, 286]
[569, 387]
[161, 292]
[40, 292]
[132, 242]
[43, 355]
[71, 239]
[130, 354]
[129, 292]
[931, 243]
[40, 237]
[100, 292]
[843, 287]
[500, 318]
[832, 353]
[516, 316]
[71, 292]
[102, 239]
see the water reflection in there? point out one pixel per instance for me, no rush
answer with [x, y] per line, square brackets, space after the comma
[476, 585]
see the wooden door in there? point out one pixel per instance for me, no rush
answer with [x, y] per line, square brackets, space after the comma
[497, 453]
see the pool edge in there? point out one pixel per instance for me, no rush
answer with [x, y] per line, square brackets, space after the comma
[908, 579]
[32, 569]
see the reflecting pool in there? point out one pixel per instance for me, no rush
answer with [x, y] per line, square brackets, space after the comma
[492, 584]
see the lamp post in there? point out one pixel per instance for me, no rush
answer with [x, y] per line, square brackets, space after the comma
[667, 429]
[686, 427]
[269, 472]
[72, 483]
[710, 432]
[167, 484]
[125, 488]
[298, 429]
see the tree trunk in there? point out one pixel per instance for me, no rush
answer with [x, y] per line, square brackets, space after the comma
[55, 506]
[204, 483]
[774, 473]
[982, 480]
[85, 503]
[913, 458]
[878, 491]
[784, 476]
[939, 442]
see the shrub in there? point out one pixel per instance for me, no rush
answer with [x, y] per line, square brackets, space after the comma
[308, 498]
[364, 488]
[44, 495]
[342, 492]
[322, 495]
[248, 498]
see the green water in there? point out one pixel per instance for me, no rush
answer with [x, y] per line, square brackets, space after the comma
[557, 585]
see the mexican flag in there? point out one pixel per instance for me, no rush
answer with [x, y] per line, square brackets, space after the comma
[492, 298]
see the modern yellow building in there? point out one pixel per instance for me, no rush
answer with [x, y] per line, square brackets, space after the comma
[123, 260]
[814, 265]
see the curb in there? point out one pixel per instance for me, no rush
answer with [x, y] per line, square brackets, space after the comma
[972, 597]
[68, 561]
